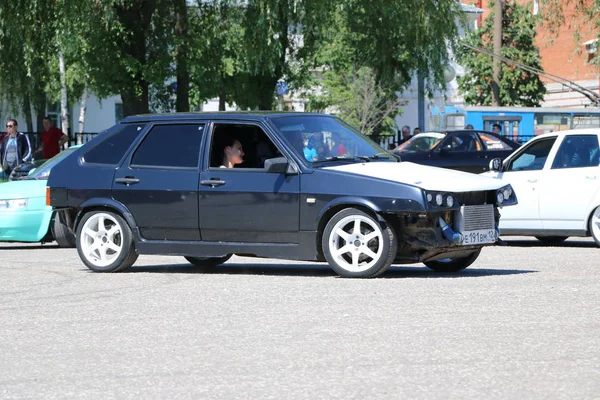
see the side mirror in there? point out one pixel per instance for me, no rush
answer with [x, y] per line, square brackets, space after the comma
[445, 149]
[496, 164]
[277, 165]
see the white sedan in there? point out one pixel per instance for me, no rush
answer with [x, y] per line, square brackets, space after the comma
[556, 177]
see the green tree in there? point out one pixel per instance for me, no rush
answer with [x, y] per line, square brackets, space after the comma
[358, 99]
[518, 86]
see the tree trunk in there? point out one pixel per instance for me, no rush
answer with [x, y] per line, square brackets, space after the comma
[222, 97]
[82, 110]
[181, 57]
[132, 103]
[40, 107]
[266, 91]
[64, 109]
[27, 111]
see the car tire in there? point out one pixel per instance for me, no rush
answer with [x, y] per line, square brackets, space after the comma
[550, 240]
[61, 233]
[594, 225]
[453, 264]
[208, 262]
[105, 242]
[356, 245]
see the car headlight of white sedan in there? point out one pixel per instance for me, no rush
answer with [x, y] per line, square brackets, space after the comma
[13, 204]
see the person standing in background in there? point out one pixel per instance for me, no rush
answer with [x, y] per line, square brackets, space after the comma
[404, 134]
[52, 140]
[15, 148]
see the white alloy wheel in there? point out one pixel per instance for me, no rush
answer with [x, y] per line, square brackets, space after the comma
[101, 239]
[105, 243]
[357, 245]
[595, 225]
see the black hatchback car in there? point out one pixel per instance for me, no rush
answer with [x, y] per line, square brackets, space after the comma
[463, 150]
[297, 186]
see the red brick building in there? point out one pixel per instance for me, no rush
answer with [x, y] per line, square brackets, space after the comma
[563, 55]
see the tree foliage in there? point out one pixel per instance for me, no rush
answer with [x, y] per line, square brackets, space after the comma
[359, 99]
[518, 87]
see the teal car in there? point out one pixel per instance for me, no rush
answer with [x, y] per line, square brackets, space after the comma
[24, 215]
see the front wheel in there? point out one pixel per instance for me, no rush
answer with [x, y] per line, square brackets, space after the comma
[208, 262]
[356, 245]
[595, 225]
[453, 264]
[61, 233]
[105, 242]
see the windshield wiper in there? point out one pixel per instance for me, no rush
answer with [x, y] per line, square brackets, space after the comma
[344, 158]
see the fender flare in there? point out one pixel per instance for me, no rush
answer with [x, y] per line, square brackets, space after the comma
[106, 203]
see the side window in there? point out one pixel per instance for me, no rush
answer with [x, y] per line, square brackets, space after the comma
[577, 151]
[112, 149]
[464, 142]
[240, 146]
[170, 146]
[493, 143]
[533, 157]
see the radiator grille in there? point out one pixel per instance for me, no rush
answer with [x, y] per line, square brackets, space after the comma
[478, 217]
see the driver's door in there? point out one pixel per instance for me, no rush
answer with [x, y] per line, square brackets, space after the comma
[525, 173]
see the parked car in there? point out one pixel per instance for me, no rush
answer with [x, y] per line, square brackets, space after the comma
[304, 186]
[557, 177]
[463, 150]
[24, 169]
[24, 215]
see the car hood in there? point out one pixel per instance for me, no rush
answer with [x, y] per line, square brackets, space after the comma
[426, 177]
[23, 189]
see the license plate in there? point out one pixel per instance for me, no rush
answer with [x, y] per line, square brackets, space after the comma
[479, 237]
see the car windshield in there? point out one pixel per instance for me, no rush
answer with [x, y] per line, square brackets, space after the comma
[420, 143]
[43, 171]
[322, 139]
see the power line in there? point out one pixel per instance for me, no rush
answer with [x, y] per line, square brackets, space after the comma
[593, 97]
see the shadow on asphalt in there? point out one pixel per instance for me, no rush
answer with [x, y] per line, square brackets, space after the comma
[537, 243]
[317, 270]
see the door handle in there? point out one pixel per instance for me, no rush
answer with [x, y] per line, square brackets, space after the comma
[212, 182]
[533, 180]
[128, 180]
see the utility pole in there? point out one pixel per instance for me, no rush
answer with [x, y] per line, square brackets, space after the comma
[498, 14]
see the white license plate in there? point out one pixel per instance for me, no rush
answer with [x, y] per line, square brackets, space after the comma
[479, 237]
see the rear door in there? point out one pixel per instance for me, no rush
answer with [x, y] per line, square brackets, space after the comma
[572, 182]
[158, 182]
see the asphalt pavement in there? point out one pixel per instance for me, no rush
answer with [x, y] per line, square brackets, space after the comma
[522, 322]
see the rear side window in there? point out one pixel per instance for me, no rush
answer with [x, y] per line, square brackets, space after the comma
[492, 143]
[112, 149]
[170, 146]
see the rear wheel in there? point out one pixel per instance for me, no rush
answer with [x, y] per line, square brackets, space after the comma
[208, 262]
[595, 225]
[356, 245]
[61, 233]
[105, 242]
[552, 239]
[453, 264]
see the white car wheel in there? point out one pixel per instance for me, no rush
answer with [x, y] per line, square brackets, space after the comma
[595, 225]
[104, 242]
[358, 246]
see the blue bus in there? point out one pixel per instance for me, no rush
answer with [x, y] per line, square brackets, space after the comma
[518, 123]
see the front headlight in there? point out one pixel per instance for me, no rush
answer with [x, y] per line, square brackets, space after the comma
[13, 204]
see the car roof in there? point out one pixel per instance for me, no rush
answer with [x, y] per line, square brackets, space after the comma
[247, 115]
[437, 135]
[585, 131]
